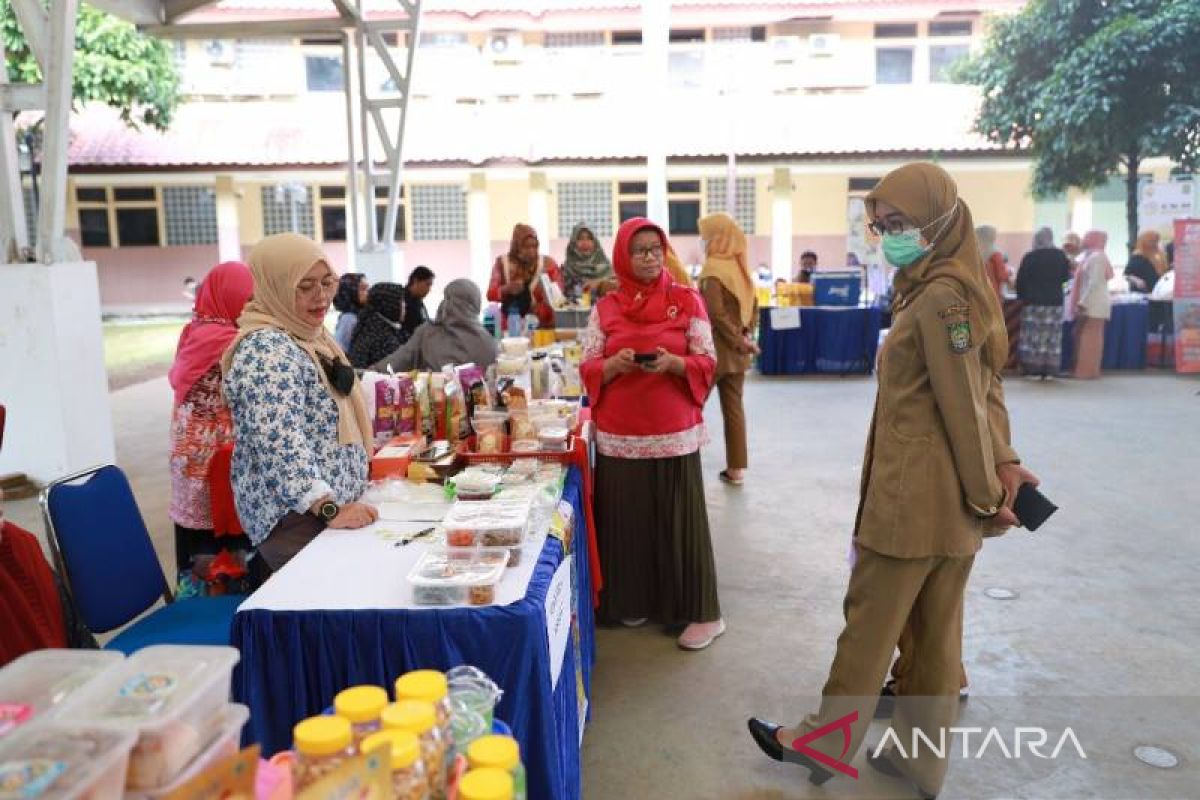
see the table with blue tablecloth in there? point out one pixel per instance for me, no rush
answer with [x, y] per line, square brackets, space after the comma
[294, 661]
[1124, 338]
[830, 339]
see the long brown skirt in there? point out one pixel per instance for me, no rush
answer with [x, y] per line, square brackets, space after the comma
[655, 547]
[1089, 346]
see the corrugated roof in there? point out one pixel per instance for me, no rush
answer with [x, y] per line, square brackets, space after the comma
[312, 131]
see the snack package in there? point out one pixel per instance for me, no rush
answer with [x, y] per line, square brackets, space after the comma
[467, 375]
[231, 778]
[364, 777]
[380, 393]
[425, 422]
[437, 398]
[521, 428]
[405, 415]
[457, 421]
[515, 398]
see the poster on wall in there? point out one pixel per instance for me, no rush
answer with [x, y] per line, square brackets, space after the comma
[1160, 204]
[1187, 295]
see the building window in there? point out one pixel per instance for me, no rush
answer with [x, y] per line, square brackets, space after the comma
[331, 206]
[684, 204]
[31, 213]
[381, 195]
[564, 39]
[894, 65]
[862, 184]
[892, 30]
[626, 37]
[955, 28]
[443, 39]
[191, 215]
[686, 36]
[127, 216]
[439, 212]
[323, 73]
[589, 202]
[744, 202]
[942, 58]
[288, 208]
[757, 33]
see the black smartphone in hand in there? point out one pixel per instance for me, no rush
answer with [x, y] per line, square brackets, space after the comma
[1031, 507]
[644, 358]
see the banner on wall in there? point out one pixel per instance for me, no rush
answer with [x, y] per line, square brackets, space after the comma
[1160, 204]
[1187, 295]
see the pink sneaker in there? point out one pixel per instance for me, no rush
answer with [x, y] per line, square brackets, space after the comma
[700, 635]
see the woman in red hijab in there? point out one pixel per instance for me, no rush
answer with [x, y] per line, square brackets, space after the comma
[516, 279]
[201, 423]
[648, 368]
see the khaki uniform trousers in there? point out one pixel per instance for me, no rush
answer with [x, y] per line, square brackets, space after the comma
[733, 413]
[885, 595]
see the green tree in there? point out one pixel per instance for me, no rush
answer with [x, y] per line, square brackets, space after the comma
[1091, 87]
[114, 64]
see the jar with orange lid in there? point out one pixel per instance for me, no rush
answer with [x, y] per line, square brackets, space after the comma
[499, 752]
[362, 705]
[408, 770]
[420, 718]
[432, 687]
[488, 783]
[322, 745]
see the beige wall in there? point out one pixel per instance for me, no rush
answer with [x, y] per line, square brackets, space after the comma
[508, 204]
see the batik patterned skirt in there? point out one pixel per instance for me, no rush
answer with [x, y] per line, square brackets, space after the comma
[1040, 343]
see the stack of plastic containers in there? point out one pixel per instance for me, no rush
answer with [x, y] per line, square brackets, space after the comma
[95, 725]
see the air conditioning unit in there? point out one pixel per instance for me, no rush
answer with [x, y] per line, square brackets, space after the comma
[823, 44]
[221, 52]
[505, 46]
[784, 48]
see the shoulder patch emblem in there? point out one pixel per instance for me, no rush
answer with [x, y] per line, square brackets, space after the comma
[959, 333]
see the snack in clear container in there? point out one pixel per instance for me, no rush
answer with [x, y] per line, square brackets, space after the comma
[46, 681]
[554, 439]
[475, 485]
[420, 718]
[521, 428]
[173, 696]
[61, 760]
[409, 781]
[444, 576]
[491, 431]
[514, 346]
[497, 523]
[323, 744]
[361, 705]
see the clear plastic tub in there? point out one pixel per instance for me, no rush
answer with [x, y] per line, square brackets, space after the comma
[447, 576]
[226, 745]
[47, 681]
[514, 346]
[494, 523]
[175, 697]
[60, 760]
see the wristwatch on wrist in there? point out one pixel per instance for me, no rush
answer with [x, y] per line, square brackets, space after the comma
[328, 510]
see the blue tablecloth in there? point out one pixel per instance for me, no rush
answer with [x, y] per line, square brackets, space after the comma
[830, 340]
[293, 663]
[1124, 338]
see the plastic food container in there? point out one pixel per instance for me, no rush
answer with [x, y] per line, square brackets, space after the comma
[226, 744]
[447, 576]
[514, 346]
[409, 781]
[59, 760]
[494, 523]
[499, 752]
[322, 745]
[420, 718]
[477, 693]
[475, 485]
[47, 681]
[361, 705]
[432, 687]
[553, 439]
[486, 784]
[174, 697]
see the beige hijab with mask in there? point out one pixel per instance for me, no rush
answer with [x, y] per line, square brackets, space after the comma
[928, 196]
[278, 264]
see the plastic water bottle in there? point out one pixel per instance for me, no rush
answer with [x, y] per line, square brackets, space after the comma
[514, 323]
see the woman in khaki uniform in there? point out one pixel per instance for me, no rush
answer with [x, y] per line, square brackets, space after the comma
[732, 305]
[938, 475]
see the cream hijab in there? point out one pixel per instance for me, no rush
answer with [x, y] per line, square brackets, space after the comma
[278, 264]
[725, 260]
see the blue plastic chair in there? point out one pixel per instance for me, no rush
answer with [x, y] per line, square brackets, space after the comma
[103, 552]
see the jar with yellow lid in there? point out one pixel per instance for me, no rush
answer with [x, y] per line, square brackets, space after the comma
[499, 752]
[419, 717]
[322, 745]
[362, 705]
[408, 770]
[486, 784]
[432, 687]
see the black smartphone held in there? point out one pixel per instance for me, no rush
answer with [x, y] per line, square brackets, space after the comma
[1031, 507]
[644, 358]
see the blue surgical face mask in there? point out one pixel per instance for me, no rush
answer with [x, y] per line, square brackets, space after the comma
[904, 249]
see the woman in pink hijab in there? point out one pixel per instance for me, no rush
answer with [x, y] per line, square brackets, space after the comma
[1090, 303]
[201, 423]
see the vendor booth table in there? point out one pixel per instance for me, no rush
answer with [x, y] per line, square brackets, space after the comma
[829, 339]
[304, 637]
[1125, 338]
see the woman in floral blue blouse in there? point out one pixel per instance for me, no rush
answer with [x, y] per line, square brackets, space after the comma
[300, 423]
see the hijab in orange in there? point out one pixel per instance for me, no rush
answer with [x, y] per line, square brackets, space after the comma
[1147, 245]
[675, 267]
[725, 261]
[517, 268]
[928, 196]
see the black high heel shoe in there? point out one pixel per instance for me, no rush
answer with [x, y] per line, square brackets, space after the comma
[883, 764]
[764, 737]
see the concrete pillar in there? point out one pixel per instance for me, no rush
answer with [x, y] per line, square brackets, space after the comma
[650, 102]
[1080, 203]
[381, 264]
[479, 227]
[229, 234]
[539, 209]
[52, 376]
[781, 223]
